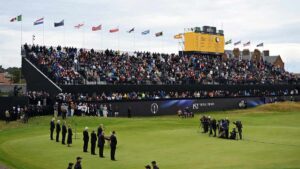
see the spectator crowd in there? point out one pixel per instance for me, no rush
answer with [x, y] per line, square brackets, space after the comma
[73, 66]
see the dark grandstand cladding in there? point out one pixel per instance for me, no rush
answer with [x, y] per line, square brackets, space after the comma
[67, 66]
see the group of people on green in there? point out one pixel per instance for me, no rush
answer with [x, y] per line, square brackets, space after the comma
[65, 130]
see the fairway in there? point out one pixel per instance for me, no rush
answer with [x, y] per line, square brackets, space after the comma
[271, 132]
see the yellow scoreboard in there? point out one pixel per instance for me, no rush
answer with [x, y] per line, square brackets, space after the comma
[203, 42]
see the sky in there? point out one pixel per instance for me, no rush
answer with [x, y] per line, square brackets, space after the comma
[274, 22]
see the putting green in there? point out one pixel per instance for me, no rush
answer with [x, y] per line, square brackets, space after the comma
[272, 140]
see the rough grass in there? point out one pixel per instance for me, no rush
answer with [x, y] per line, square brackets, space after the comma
[271, 141]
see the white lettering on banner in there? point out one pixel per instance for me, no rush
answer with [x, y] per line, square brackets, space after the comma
[197, 105]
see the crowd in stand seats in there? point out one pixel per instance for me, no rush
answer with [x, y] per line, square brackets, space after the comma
[116, 96]
[72, 66]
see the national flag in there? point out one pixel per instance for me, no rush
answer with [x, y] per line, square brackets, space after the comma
[131, 30]
[237, 43]
[78, 26]
[61, 23]
[247, 44]
[159, 34]
[178, 36]
[114, 30]
[260, 45]
[18, 18]
[97, 28]
[39, 21]
[145, 32]
[228, 42]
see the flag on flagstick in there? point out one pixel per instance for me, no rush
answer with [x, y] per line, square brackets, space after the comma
[18, 18]
[114, 30]
[78, 26]
[145, 32]
[159, 34]
[228, 42]
[131, 30]
[237, 43]
[178, 36]
[97, 28]
[39, 21]
[247, 44]
[260, 45]
[61, 23]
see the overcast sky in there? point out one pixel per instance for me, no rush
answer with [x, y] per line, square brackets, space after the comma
[274, 22]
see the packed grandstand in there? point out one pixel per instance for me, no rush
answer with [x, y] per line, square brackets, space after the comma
[79, 66]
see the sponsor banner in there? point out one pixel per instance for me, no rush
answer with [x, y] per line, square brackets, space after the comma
[171, 107]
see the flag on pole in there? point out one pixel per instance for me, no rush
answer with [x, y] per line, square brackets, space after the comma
[159, 34]
[61, 23]
[114, 30]
[18, 18]
[131, 30]
[78, 26]
[178, 36]
[228, 42]
[39, 21]
[260, 45]
[145, 32]
[247, 44]
[97, 28]
[237, 43]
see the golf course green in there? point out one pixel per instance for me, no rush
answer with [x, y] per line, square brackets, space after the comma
[271, 141]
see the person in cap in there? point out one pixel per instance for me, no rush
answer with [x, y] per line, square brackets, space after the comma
[52, 127]
[70, 166]
[93, 142]
[57, 130]
[78, 163]
[70, 134]
[85, 139]
[147, 167]
[113, 145]
[154, 166]
[63, 132]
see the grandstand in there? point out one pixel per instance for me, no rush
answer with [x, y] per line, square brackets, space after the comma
[164, 82]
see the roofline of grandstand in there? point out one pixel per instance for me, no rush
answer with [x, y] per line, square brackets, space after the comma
[60, 89]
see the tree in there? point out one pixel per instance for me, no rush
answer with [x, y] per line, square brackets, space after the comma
[15, 73]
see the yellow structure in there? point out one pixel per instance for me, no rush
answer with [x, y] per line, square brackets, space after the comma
[203, 42]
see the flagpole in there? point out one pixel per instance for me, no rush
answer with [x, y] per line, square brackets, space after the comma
[133, 41]
[101, 40]
[118, 39]
[43, 33]
[64, 35]
[21, 32]
[21, 44]
[83, 37]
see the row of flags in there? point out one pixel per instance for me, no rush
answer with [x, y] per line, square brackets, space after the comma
[99, 27]
[245, 44]
[94, 28]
